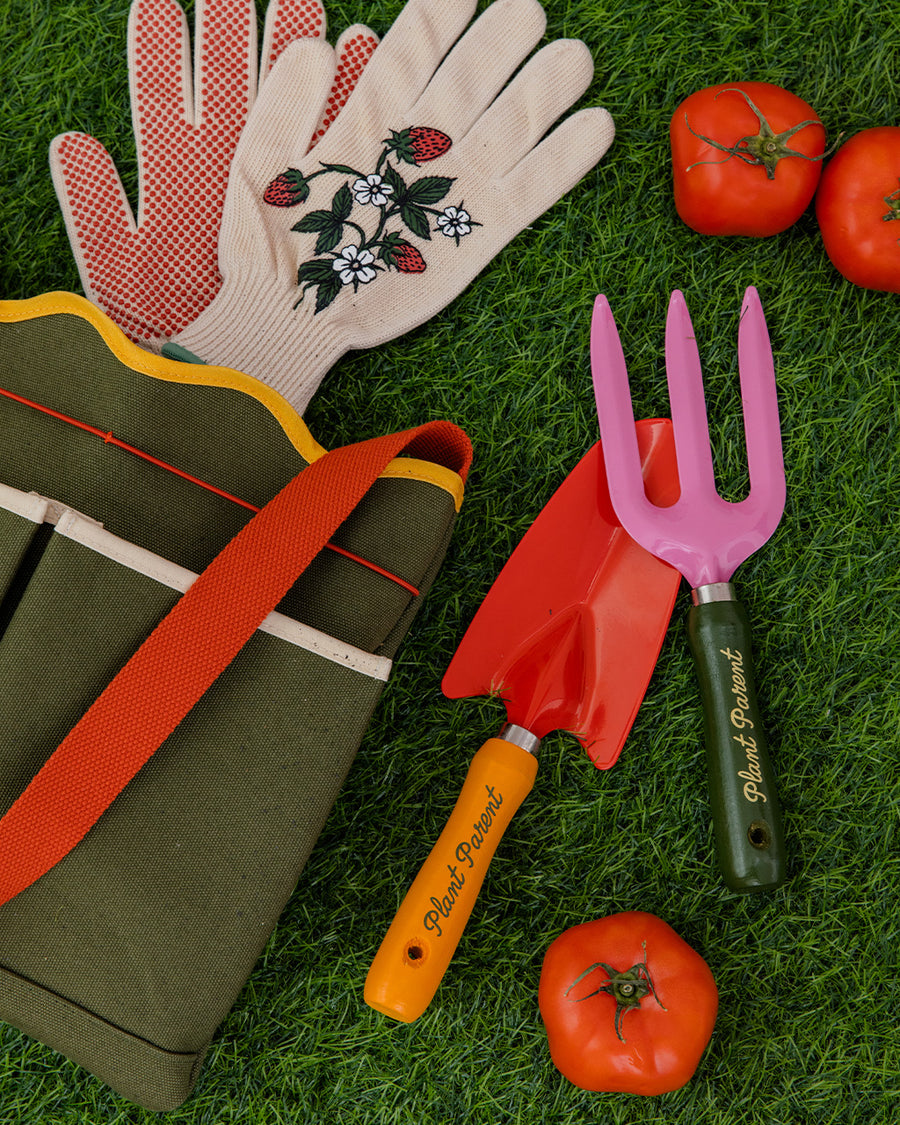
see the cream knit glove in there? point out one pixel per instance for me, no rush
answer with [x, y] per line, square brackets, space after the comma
[358, 242]
[155, 275]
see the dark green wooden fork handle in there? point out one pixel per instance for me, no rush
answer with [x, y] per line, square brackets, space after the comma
[745, 809]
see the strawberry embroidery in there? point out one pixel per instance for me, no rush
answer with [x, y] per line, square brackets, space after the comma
[407, 259]
[353, 253]
[403, 256]
[287, 189]
[419, 144]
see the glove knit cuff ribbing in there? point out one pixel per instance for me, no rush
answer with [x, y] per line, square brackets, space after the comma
[253, 327]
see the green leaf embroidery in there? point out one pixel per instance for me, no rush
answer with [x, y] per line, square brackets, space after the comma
[396, 181]
[317, 271]
[314, 222]
[328, 239]
[416, 219]
[327, 292]
[430, 189]
[323, 223]
[342, 204]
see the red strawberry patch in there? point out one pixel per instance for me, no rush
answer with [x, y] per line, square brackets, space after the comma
[407, 258]
[428, 144]
[288, 189]
[419, 144]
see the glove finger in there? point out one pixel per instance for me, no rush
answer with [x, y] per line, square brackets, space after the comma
[479, 66]
[353, 49]
[405, 62]
[87, 183]
[225, 60]
[545, 174]
[289, 107]
[498, 210]
[159, 64]
[287, 20]
[549, 83]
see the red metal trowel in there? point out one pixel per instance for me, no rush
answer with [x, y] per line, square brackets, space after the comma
[567, 637]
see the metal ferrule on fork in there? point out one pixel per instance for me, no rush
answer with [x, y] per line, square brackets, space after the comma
[713, 592]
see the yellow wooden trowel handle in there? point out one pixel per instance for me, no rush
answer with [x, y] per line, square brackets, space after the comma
[422, 938]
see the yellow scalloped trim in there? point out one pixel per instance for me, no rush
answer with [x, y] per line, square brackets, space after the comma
[159, 367]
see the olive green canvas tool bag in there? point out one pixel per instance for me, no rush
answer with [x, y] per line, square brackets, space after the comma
[157, 804]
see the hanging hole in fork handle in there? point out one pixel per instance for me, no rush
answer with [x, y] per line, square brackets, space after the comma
[759, 834]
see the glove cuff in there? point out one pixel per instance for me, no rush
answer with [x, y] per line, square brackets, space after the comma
[252, 327]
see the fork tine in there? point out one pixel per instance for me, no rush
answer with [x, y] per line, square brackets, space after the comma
[762, 427]
[615, 413]
[685, 379]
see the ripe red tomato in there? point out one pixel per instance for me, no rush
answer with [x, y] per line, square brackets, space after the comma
[746, 158]
[858, 208]
[628, 1006]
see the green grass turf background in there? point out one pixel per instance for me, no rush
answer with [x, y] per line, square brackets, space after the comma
[808, 1023]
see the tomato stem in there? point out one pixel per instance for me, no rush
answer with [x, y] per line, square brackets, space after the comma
[627, 987]
[763, 149]
[893, 204]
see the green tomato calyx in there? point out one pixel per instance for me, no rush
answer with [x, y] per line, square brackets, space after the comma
[627, 987]
[892, 202]
[763, 149]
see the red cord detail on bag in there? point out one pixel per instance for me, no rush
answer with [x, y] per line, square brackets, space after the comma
[192, 645]
[109, 439]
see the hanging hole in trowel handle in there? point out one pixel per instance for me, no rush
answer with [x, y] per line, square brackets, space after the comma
[416, 953]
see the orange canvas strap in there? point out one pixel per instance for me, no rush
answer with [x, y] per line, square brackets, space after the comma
[193, 644]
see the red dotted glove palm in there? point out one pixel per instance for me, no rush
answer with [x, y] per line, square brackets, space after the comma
[155, 275]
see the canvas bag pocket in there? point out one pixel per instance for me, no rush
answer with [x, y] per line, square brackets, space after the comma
[21, 516]
[200, 852]
[116, 956]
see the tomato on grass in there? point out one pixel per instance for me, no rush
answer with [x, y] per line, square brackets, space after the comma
[628, 1006]
[858, 209]
[746, 158]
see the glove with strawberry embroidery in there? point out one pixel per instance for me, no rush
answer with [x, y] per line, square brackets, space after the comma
[355, 243]
[155, 276]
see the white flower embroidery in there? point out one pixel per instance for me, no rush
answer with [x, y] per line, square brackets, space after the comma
[372, 189]
[454, 222]
[354, 266]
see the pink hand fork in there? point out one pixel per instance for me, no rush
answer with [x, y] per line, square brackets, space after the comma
[707, 538]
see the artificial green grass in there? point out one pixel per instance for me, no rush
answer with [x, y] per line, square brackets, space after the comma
[807, 1030]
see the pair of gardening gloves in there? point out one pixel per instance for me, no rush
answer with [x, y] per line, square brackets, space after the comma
[333, 200]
